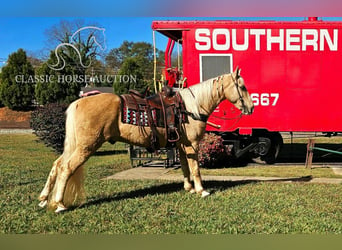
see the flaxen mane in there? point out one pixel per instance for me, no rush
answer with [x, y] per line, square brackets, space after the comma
[193, 94]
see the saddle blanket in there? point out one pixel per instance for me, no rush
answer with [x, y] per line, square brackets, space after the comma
[140, 117]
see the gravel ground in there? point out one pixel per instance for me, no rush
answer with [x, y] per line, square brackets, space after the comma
[16, 131]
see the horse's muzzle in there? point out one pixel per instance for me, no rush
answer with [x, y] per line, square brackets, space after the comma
[247, 110]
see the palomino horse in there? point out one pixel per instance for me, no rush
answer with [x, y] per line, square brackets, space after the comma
[93, 120]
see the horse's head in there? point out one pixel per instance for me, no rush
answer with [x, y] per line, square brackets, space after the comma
[92, 34]
[100, 39]
[236, 92]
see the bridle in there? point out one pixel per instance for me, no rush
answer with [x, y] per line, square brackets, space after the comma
[238, 91]
[205, 117]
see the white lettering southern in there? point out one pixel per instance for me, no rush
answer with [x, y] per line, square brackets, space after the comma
[222, 39]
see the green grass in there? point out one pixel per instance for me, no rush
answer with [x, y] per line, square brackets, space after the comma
[139, 207]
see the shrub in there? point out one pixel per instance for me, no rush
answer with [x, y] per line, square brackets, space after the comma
[212, 152]
[48, 123]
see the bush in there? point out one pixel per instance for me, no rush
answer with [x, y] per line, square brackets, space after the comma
[48, 123]
[212, 152]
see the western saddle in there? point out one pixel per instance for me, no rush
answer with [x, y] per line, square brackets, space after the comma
[164, 109]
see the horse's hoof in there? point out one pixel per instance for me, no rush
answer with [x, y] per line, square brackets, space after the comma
[42, 204]
[205, 194]
[192, 191]
[60, 209]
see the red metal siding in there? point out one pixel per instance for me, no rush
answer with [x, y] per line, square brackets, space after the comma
[302, 71]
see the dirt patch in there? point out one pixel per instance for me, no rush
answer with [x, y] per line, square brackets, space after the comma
[14, 119]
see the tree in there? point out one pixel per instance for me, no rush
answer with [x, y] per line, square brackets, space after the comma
[142, 51]
[136, 58]
[131, 77]
[74, 55]
[57, 86]
[116, 56]
[1, 104]
[17, 84]
[34, 59]
[95, 72]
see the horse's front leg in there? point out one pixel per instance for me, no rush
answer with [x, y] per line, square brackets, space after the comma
[186, 171]
[192, 159]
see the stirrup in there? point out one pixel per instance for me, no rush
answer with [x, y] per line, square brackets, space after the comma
[175, 140]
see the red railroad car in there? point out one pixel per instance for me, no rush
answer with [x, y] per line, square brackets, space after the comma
[291, 70]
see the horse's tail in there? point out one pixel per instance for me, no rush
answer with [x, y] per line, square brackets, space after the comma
[74, 193]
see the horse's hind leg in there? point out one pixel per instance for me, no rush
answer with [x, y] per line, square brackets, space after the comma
[66, 170]
[43, 197]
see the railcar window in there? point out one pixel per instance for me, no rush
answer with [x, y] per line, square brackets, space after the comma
[212, 65]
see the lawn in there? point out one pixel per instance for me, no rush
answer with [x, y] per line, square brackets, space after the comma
[141, 207]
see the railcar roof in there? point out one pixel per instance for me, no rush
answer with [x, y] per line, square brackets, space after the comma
[173, 29]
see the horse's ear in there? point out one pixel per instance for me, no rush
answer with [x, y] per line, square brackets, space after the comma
[237, 72]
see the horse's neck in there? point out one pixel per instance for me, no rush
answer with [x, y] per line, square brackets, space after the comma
[216, 97]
